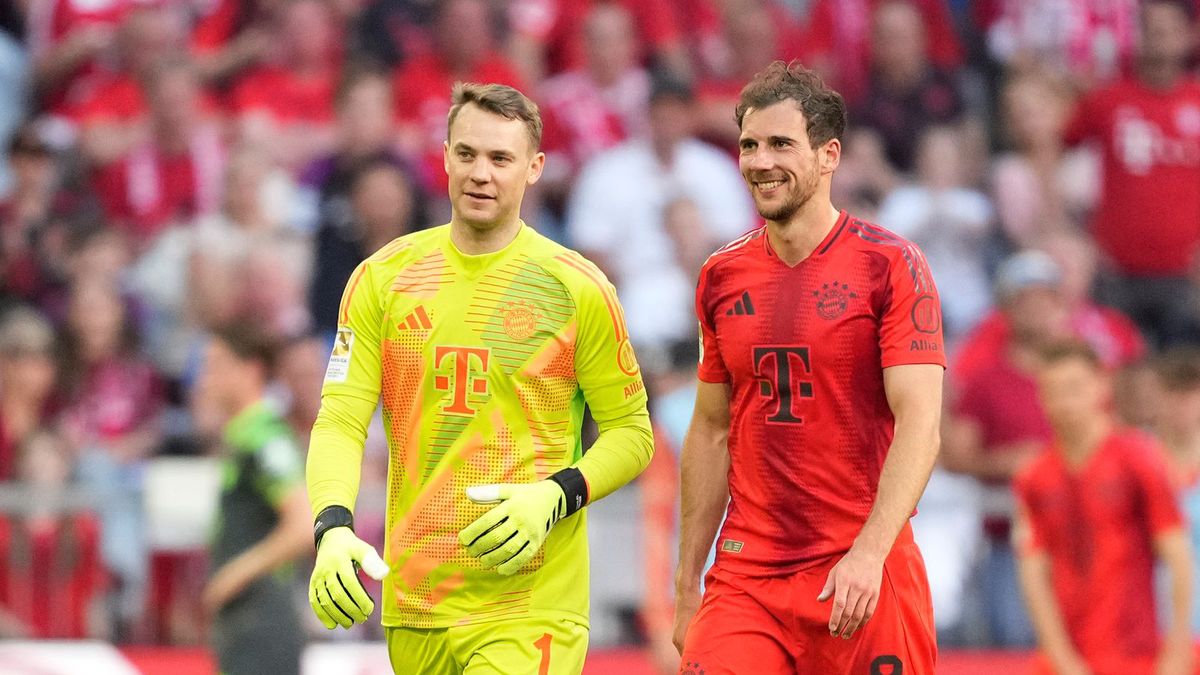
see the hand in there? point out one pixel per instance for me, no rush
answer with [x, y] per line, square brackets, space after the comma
[1175, 659]
[853, 583]
[687, 603]
[510, 534]
[1071, 664]
[335, 592]
[664, 655]
[225, 585]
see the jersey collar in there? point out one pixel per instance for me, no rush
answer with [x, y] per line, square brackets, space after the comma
[474, 265]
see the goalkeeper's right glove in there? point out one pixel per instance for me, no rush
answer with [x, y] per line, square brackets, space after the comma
[335, 592]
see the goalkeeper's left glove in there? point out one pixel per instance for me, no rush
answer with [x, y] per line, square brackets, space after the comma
[510, 534]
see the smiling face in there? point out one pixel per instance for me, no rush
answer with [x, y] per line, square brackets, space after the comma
[779, 164]
[490, 160]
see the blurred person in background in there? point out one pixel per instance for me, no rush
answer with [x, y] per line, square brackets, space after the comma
[997, 425]
[1040, 187]
[263, 524]
[603, 102]
[287, 104]
[14, 80]
[111, 419]
[300, 371]
[1147, 128]
[951, 222]
[1096, 509]
[463, 51]
[1177, 425]
[69, 41]
[28, 378]
[110, 114]
[230, 36]
[24, 210]
[175, 175]
[907, 93]
[841, 36]
[1113, 335]
[628, 237]
[865, 176]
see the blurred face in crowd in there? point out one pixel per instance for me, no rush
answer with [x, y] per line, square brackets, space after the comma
[1179, 409]
[1038, 315]
[307, 31]
[1167, 36]
[146, 36]
[609, 42]
[671, 121]
[1076, 257]
[301, 371]
[462, 33]
[939, 158]
[27, 367]
[382, 204]
[244, 178]
[365, 117]
[780, 166]
[1074, 393]
[97, 320]
[1035, 112]
[226, 378]
[490, 161]
[751, 34]
[897, 40]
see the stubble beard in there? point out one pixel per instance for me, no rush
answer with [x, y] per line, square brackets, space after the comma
[796, 201]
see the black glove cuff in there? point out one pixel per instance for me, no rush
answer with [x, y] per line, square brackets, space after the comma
[329, 518]
[574, 487]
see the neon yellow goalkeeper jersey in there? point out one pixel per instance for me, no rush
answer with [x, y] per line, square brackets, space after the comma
[483, 364]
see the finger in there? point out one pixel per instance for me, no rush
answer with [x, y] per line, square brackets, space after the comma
[332, 608]
[351, 585]
[318, 610]
[827, 591]
[373, 565]
[487, 494]
[505, 551]
[517, 561]
[871, 605]
[482, 525]
[492, 539]
[840, 593]
[856, 616]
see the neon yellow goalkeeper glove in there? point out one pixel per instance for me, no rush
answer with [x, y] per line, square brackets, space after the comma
[510, 534]
[335, 592]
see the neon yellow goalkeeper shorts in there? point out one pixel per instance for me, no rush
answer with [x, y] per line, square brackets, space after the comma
[527, 646]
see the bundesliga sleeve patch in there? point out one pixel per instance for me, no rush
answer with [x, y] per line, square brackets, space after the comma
[339, 360]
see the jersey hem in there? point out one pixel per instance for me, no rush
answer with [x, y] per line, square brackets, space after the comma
[452, 622]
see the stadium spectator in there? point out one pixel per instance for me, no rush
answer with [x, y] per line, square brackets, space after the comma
[230, 36]
[906, 92]
[998, 425]
[176, 174]
[1096, 509]
[951, 222]
[287, 104]
[1039, 186]
[25, 209]
[628, 237]
[463, 50]
[603, 102]
[1110, 333]
[1147, 225]
[300, 373]
[841, 36]
[69, 41]
[28, 375]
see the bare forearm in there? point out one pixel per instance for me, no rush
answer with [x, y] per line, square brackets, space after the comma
[905, 472]
[704, 494]
[1177, 558]
[1044, 613]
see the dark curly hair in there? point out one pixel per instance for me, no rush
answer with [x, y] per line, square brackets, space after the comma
[823, 108]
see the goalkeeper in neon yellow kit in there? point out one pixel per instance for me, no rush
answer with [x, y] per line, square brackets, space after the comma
[485, 340]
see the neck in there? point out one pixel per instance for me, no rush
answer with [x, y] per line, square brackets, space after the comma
[796, 238]
[472, 240]
[1184, 444]
[1079, 443]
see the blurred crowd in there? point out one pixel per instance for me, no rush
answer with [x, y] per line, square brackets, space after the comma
[168, 167]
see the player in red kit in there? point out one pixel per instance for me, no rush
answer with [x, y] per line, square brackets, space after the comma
[1095, 510]
[816, 419]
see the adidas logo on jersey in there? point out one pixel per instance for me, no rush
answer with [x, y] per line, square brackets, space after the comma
[743, 307]
[416, 320]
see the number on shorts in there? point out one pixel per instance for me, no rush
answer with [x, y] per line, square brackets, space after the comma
[888, 664]
[543, 644]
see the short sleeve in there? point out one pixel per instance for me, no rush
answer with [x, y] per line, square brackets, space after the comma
[1157, 494]
[910, 330]
[712, 367]
[354, 367]
[280, 468]
[605, 364]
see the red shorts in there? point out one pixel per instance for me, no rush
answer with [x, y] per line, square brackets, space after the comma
[768, 625]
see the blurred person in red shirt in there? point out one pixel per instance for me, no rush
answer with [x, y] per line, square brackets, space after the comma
[463, 50]
[176, 174]
[25, 209]
[1147, 225]
[1040, 186]
[288, 104]
[599, 104]
[1096, 509]
[28, 378]
[1113, 335]
[997, 425]
[229, 36]
[907, 92]
[838, 38]
[69, 41]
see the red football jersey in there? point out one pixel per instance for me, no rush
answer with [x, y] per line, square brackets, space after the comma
[1097, 524]
[804, 349]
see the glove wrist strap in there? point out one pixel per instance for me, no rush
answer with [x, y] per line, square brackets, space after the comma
[329, 518]
[574, 486]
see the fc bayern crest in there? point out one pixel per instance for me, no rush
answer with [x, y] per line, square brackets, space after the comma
[520, 320]
[833, 299]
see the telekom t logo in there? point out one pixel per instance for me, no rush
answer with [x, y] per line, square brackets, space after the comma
[778, 370]
[465, 380]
